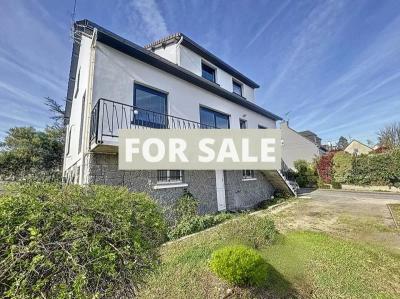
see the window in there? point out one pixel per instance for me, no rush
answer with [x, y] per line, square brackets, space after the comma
[248, 174]
[261, 127]
[237, 88]
[207, 72]
[151, 107]
[69, 140]
[77, 83]
[82, 120]
[169, 176]
[243, 123]
[213, 119]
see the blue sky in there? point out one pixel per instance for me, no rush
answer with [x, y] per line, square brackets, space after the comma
[333, 65]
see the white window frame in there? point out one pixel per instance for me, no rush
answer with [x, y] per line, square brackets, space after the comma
[248, 175]
[168, 179]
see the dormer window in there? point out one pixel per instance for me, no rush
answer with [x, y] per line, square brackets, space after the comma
[237, 88]
[207, 72]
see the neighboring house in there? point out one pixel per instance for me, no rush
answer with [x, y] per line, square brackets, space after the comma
[304, 145]
[171, 83]
[357, 148]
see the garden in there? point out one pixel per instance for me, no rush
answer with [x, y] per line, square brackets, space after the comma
[337, 168]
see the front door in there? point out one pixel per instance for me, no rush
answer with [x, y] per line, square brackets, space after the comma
[220, 186]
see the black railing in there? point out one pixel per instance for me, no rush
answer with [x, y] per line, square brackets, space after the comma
[108, 117]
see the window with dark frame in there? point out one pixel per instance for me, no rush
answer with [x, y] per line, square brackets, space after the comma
[207, 72]
[213, 119]
[169, 176]
[69, 140]
[237, 88]
[77, 83]
[261, 127]
[243, 123]
[248, 174]
[151, 107]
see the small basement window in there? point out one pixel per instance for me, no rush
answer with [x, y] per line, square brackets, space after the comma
[237, 88]
[207, 72]
[248, 174]
[169, 176]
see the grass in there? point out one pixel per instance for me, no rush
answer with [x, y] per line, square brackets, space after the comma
[396, 212]
[364, 224]
[302, 264]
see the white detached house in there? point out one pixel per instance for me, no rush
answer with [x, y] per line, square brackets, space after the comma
[171, 83]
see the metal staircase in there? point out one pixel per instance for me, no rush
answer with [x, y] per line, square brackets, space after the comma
[280, 180]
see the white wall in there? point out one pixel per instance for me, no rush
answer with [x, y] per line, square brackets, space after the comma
[114, 77]
[169, 53]
[74, 158]
[192, 62]
[296, 147]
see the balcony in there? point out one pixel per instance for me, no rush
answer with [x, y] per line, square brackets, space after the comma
[108, 117]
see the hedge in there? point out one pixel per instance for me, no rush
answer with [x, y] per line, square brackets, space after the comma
[376, 169]
[342, 164]
[76, 242]
[380, 169]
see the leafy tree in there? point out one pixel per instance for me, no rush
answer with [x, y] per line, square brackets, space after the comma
[342, 143]
[389, 136]
[27, 153]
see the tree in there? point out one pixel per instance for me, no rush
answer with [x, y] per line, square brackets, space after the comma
[27, 153]
[389, 136]
[342, 143]
[30, 154]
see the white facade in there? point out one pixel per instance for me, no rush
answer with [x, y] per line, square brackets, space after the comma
[296, 147]
[186, 58]
[105, 72]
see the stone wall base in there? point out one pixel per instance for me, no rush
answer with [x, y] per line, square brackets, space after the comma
[240, 194]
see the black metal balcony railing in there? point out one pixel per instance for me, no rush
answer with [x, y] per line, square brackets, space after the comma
[108, 117]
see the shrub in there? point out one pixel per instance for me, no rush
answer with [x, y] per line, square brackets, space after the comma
[336, 185]
[185, 207]
[324, 167]
[342, 167]
[322, 185]
[239, 265]
[306, 175]
[376, 169]
[76, 242]
[196, 223]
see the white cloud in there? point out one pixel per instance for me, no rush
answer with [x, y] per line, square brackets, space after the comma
[153, 21]
[268, 23]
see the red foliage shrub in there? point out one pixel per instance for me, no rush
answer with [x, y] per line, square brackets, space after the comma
[381, 149]
[324, 167]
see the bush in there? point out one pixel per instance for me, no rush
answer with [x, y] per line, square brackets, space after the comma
[76, 242]
[306, 175]
[196, 223]
[376, 169]
[342, 167]
[324, 167]
[322, 185]
[187, 221]
[239, 265]
[185, 207]
[336, 185]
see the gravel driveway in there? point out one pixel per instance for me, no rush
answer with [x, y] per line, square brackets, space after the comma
[356, 215]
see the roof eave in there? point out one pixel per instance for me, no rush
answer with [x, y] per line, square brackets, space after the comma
[115, 41]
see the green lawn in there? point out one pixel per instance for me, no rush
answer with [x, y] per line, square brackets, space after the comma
[396, 212]
[302, 264]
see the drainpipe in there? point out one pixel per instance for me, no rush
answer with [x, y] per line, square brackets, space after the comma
[88, 110]
[178, 51]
